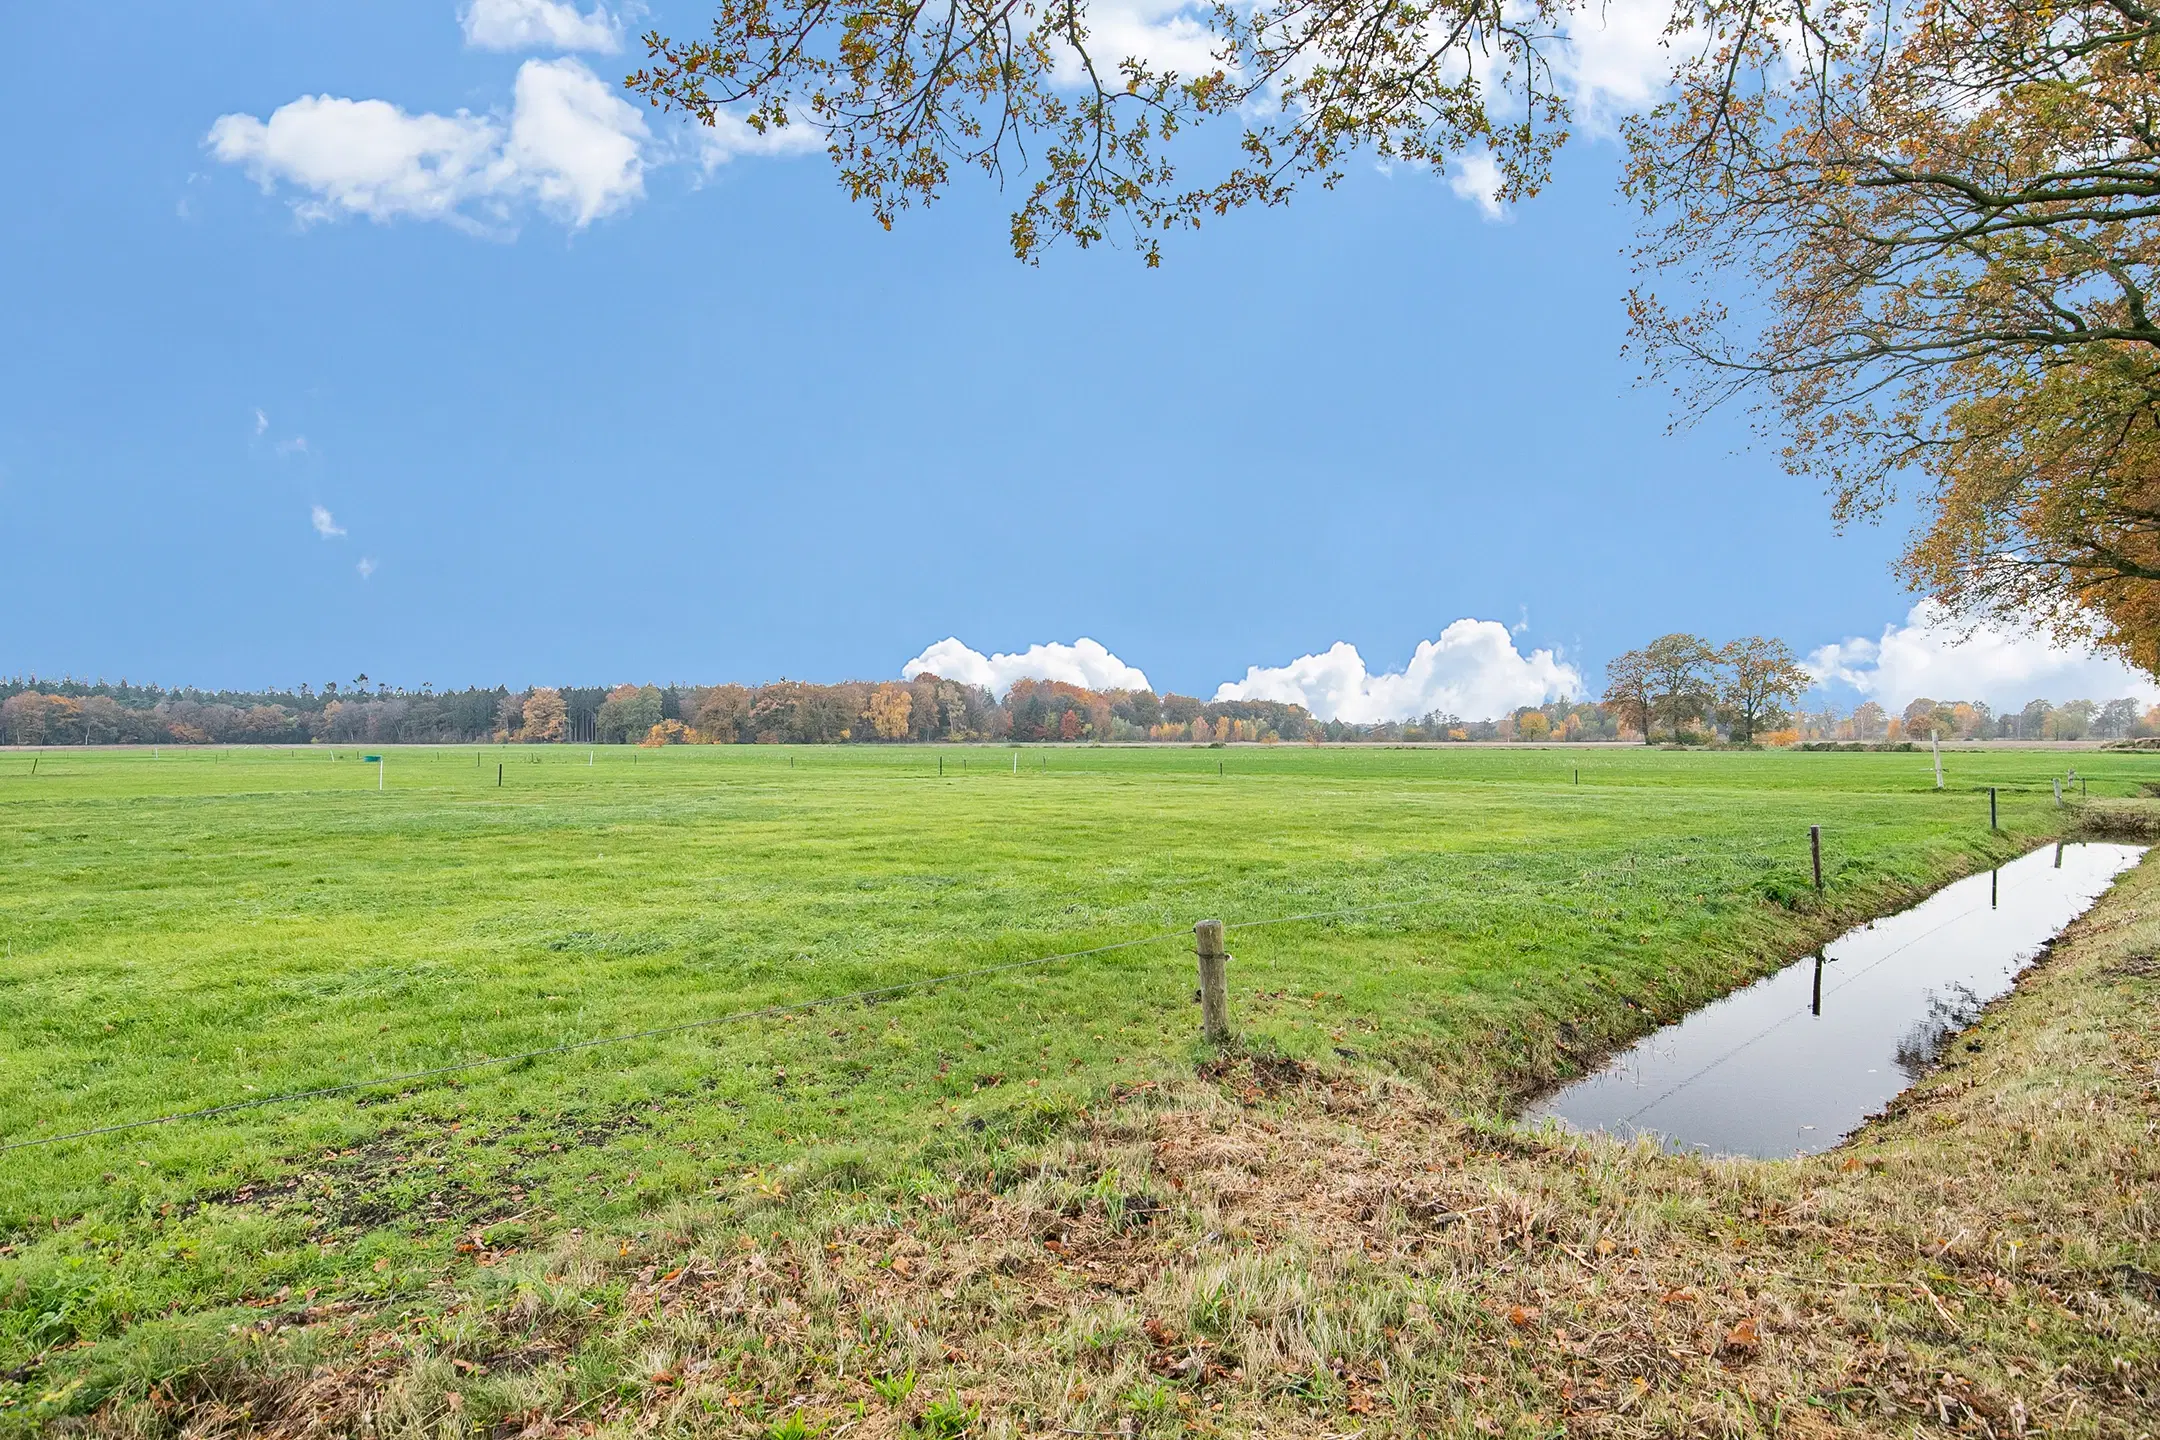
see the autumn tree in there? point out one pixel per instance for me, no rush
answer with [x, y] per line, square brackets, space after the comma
[889, 707]
[667, 732]
[628, 713]
[1924, 239]
[906, 96]
[546, 718]
[722, 714]
[1924, 717]
[509, 715]
[1758, 679]
[1628, 691]
[1682, 678]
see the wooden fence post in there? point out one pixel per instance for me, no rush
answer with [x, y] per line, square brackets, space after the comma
[1214, 990]
[1992, 825]
[1814, 840]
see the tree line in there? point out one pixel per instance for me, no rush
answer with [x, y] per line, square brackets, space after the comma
[1688, 691]
[925, 708]
[1677, 688]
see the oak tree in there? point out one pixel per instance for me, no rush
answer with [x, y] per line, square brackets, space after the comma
[1682, 678]
[1628, 692]
[904, 93]
[1758, 679]
[1923, 239]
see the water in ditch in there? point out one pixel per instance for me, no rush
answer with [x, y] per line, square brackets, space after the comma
[1795, 1062]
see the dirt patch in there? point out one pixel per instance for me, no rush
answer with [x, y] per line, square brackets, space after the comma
[423, 1174]
[1252, 1078]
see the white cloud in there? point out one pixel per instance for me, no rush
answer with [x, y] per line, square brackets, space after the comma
[1473, 670]
[1085, 662]
[572, 144]
[1476, 178]
[729, 136]
[1929, 655]
[325, 524]
[578, 143]
[1167, 34]
[364, 157]
[1616, 59]
[539, 25]
[366, 567]
[295, 446]
[262, 422]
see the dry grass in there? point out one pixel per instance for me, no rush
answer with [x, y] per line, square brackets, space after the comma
[1266, 1249]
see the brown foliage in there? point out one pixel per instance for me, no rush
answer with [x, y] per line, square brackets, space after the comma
[546, 718]
[905, 94]
[1942, 219]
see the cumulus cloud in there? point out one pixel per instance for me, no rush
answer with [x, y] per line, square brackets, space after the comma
[1929, 655]
[1472, 670]
[729, 136]
[1084, 662]
[366, 567]
[539, 25]
[1167, 34]
[1476, 178]
[325, 524]
[1616, 59]
[578, 143]
[572, 145]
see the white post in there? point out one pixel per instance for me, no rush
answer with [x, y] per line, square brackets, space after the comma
[1935, 738]
[2058, 790]
[381, 764]
[1016, 762]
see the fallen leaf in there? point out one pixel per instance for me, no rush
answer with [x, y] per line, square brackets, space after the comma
[1746, 1335]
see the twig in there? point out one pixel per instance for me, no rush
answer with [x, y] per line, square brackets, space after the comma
[1948, 1319]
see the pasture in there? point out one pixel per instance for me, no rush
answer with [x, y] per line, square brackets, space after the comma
[209, 927]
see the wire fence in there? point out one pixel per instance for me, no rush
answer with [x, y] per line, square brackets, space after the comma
[764, 1012]
[1485, 893]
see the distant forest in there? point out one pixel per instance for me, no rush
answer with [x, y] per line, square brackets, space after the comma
[74, 712]
[71, 712]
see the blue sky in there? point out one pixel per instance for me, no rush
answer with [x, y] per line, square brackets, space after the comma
[717, 425]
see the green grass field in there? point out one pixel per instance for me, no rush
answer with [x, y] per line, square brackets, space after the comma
[206, 927]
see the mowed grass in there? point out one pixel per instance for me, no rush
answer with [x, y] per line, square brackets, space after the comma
[205, 927]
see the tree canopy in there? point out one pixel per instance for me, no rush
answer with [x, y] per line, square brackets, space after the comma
[1924, 238]
[906, 92]
[1921, 238]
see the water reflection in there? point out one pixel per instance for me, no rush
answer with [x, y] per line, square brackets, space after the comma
[1794, 1063]
[1948, 1013]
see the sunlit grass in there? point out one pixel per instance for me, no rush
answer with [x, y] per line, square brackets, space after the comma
[204, 927]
